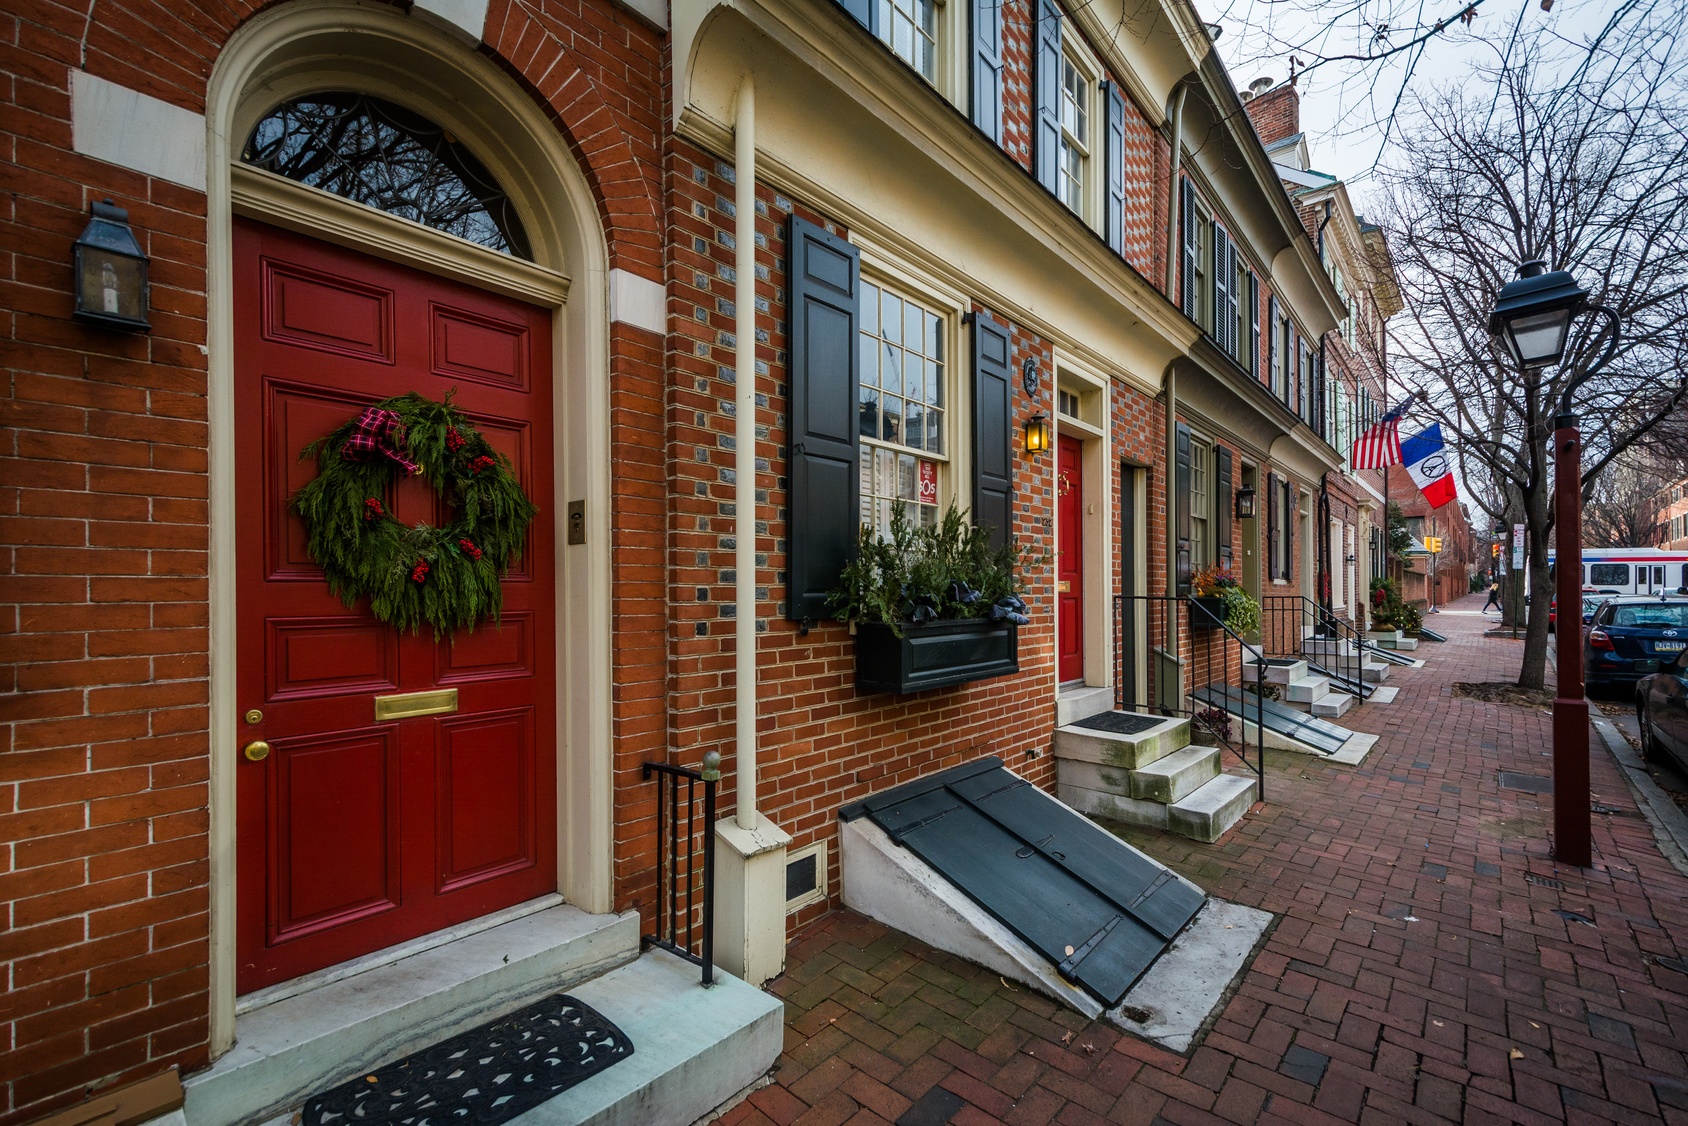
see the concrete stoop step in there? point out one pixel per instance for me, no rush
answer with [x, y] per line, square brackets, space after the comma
[694, 1049]
[1155, 778]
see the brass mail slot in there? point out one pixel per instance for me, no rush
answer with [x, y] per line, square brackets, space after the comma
[405, 705]
[1063, 587]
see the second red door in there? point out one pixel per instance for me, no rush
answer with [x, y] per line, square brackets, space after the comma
[1069, 560]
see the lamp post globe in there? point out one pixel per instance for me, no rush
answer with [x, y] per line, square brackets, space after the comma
[1532, 315]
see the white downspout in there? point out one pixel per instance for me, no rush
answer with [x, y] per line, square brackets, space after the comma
[744, 447]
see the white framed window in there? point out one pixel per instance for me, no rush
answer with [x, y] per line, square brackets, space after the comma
[805, 876]
[904, 410]
[1201, 502]
[910, 29]
[1077, 89]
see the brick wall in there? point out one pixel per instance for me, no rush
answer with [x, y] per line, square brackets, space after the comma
[103, 751]
[1276, 113]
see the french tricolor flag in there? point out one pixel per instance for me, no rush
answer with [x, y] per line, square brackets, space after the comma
[1429, 466]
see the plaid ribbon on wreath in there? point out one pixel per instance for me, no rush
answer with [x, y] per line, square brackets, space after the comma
[378, 431]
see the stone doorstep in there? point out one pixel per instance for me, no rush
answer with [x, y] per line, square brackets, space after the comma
[1306, 689]
[1081, 702]
[1279, 674]
[1123, 752]
[1332, 705]
[1180, 773]
[292, 1048]
[1205, 814]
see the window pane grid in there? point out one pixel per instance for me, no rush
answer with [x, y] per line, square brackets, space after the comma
[1200, 501]
[910, 29]
[901, 413]
[1075, 133]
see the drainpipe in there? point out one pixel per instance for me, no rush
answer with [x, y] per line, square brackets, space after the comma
[744, 447]
[1173, 257]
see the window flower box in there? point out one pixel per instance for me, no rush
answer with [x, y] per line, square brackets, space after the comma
[1207, 612]
[937, 654]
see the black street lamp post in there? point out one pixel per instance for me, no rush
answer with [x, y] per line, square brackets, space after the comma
[1532, 317]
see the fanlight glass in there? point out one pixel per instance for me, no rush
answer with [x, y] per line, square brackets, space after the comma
[382, 155]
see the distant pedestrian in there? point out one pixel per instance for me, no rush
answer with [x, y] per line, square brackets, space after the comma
[1494, 597]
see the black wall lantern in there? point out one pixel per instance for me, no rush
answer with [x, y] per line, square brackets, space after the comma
[1245, 503]
[111, 271]
[1038, 437]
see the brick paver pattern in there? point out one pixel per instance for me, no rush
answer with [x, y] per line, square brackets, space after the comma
[1429, 961]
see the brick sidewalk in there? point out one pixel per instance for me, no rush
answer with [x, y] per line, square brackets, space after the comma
[1430, 962]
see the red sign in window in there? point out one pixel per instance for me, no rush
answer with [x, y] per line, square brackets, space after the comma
[928, 483]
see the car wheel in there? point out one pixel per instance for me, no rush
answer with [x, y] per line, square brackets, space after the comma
[1649, 746]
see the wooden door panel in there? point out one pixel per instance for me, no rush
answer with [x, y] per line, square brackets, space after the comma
[492, 651]
[295, 416]
[314, 309]
[352, 837]
[1069, 566]
[314, 657]
[335, 845]
[486, 770]
[469, 345]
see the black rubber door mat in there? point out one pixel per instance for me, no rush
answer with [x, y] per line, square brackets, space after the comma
[483, 1076]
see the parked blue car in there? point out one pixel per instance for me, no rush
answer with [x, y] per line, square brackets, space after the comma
[1661, 711]
[1634, 636]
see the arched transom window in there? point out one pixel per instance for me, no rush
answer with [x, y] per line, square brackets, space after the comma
[380, 154]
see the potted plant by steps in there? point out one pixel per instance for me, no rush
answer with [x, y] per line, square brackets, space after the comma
[1216, 598]
[1210, 726]
[1391, 615]
[931, 606]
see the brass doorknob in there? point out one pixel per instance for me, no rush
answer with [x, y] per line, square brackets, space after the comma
[256, 751]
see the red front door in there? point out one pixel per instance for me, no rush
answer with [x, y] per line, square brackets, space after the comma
[1069, 559]
[355, 834]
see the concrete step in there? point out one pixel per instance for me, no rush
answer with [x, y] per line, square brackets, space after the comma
[1332, 704]
[1077, 702]
[693, 1048]
[1111, 806]
[1278, 671]
[1122, 752]
[1376, 673]
[1205, 814]
[1406, 644]
[1180, 773]
[1307, 689]
[299, 1045]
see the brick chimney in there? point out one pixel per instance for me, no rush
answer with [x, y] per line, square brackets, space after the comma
[1276, 112]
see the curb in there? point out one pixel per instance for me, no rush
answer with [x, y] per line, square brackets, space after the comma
[1670, 824]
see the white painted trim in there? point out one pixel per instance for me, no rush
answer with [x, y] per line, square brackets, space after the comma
[638, 301]
[308, 45]
[136, 131]
[818, 892]
[283, 203]
[465, 16]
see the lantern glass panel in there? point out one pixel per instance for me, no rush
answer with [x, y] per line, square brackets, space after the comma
[1538, 339]
[113, 285]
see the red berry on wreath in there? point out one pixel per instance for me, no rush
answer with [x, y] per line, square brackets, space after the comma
[453, 440]
[482, 462]
[419, 573]
[469, 548]
[372, 509]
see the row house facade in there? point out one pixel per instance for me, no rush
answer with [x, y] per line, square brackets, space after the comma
[725, 283]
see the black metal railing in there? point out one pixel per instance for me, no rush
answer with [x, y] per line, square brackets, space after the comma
[685, 898]
[1174, 657]
[1294, 627]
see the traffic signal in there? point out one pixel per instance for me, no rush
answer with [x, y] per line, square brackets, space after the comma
[1433, 544]
[1494, 550]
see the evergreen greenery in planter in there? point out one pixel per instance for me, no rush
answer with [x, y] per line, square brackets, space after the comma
[939, 603]
[1389, 611]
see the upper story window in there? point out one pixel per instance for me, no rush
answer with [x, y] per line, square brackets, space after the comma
[903, 409]
[1076, 89]
[377, 153]
[910, 29]
[1201, 501]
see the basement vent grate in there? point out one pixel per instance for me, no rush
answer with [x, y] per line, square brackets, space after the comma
[805, 876]
[1525, 783]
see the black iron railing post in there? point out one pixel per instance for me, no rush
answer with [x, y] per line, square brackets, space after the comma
[695, 947]
[711, 778]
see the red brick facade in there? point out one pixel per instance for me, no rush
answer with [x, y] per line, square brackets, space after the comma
[105, 475]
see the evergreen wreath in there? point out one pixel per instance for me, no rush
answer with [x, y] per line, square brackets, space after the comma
[447, 577]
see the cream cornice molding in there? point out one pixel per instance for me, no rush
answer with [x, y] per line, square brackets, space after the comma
[275, 199]
[821, 38]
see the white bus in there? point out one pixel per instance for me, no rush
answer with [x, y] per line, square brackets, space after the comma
[1634, 570]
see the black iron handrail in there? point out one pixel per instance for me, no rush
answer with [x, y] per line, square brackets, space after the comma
[1289, 621]
[1151, 620]
[677, 864]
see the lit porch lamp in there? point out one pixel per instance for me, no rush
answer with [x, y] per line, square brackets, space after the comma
[111, 271]
[1532, 317]
[1038, 438]
[1245, 503]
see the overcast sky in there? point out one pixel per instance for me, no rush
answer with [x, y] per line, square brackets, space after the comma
[1345, 104]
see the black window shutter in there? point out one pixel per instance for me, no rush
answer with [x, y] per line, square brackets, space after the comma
[1221, 286]
[822, 508]
[1116, 167]
[1222, 504]
[1047, 75]
[1181, 491]
[1272, 357]
[987, 67]
[864, 12]
[1233, 303]
[1254, 324]
[1187, 268]
[1298, 356]
[1271, 525]
[993, 413]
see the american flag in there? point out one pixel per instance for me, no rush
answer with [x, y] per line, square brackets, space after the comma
[1380, 445]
